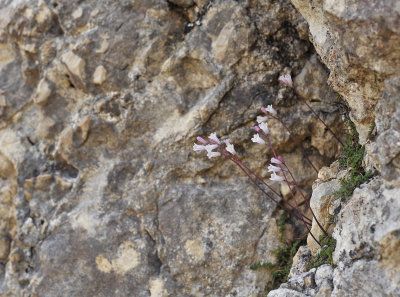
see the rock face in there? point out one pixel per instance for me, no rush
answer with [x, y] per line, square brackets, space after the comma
[101, 193]
[358, 42]
[100, 102]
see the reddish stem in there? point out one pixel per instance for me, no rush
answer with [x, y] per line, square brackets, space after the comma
[296, 141]
[249, 172]
[290, 188]
[312, 110]
[265, 193]
[308, 201]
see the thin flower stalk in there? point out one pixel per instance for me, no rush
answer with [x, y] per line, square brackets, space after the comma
[248, 172]
[230, 153]
[280, 163]
[296, 186]
[278, 160]
[306, 200]
[287, 80]
[274, 116]
[296, 140]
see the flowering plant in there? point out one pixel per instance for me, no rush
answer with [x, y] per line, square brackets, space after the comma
[278, 168]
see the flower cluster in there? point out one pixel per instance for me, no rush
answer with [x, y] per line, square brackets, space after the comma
[262, 124]
[278, 168]
[215, 143]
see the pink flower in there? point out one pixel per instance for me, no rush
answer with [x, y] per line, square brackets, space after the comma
[210, 147]
[202, 140]
[272, 168]
[264, 128]
[276, 177]
[258, 139]
[286, 80]
[276, 161]
[268, 110]
[211, 154]
[199, 147]
[261, 119]
[213, 138]
[229, 147]
[257, 129]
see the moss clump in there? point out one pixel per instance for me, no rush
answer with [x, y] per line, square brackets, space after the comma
[352, 158]
[324, 256]
[284, 258]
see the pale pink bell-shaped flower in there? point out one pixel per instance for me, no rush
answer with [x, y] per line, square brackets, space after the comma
[229, 147]
[199, 147]
[276, 177]
[261, 119]
[272, 168]
[264, 128]
[276, 161]
[210, 147]
[268, 110]
[202, 140]
[213, 137]
[286, 80]
[212, 154]
[258, 139]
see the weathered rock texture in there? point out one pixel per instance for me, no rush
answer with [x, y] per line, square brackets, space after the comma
[100, 102]
[359, 42]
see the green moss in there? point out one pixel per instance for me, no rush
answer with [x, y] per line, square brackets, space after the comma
[351, 158]
[324, 256]
[282, 221]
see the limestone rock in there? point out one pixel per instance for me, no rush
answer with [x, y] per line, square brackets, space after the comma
[99, 75]
[75, 65]
[300, 261]
[316, 282]
[42, 93]
[384, 152]
[321, 199]
[101, 193]
[358, 42]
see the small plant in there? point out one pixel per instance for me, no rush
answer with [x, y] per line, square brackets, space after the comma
[280, 172]
[282, 221]
[351, 158]
[324, 256]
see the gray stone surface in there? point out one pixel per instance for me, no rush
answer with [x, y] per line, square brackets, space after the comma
[100, 102]
[358, 42]
[300, 261]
